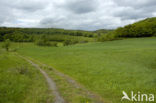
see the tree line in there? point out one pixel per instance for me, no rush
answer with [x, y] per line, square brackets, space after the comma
[29, 34]
[143, 28]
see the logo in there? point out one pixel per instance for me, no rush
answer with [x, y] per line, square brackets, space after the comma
[137, 97]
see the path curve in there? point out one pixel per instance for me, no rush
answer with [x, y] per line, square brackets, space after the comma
[51, 83]
[74, 83]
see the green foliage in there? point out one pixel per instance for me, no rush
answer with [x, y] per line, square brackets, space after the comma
[107, 37]
[30, 34]
[1, 38]
[144, 28]
[70, 42]
[67, 42]
[54, 44]
[22, 70]
[103, 31]
[22, 37]
[6, 44]
[43, 41]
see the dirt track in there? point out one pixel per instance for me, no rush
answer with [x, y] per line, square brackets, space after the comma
[51, 83]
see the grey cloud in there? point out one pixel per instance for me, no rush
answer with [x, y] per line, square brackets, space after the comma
[52, 22]
[136, 3]
[131, 13]
[13, 10]
[81, 6]
[82, 22]
[137, 9]
[74, 14]
[6, 14]
[29, 5]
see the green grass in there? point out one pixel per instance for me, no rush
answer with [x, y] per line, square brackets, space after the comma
[106, 68]
[20, 82]
[67, 90]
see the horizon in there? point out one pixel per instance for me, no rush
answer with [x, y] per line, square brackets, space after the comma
[54, 28]
[74, 14]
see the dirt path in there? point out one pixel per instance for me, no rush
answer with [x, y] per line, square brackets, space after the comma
[75, 84]
[51, 83]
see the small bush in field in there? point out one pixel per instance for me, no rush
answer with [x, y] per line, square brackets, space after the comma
[84, 41]
[107, 37]
[70, 42]
[47, 43]
[6, 44]
[74, 41]
[22, 70]
[67, 42]
[41, 42]
[44, 41]
[53, 44]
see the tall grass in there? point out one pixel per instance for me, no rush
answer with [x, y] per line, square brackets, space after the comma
[20, 82]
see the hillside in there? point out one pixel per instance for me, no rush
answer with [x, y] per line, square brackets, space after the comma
[104, 31]
[143, 28]
[8, 33]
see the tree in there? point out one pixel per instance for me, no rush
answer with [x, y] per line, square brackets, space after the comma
[6, 44]
[43, 41]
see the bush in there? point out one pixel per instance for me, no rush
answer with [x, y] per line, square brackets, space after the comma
[67, 42]
[84, 41]
[22, 70]
[70, 42]
[44, 41]
[53, 44]
[41, 42]
[6, 44]
[107, 37]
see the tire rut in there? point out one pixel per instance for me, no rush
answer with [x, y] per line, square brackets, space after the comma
[75, 84]
[51, 83]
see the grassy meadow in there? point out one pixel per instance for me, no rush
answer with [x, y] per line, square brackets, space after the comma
[20, 82]
[106, 68]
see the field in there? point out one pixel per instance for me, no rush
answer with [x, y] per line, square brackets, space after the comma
[20, 82]
[105, 68]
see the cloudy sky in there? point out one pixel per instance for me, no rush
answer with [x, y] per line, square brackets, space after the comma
[74, 14]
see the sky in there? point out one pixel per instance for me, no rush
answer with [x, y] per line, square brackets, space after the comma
[74, 14]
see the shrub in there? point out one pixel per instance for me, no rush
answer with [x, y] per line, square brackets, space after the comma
[70, 42]
[107, 37]
[53, 44]
[67, 42]
[44, 41]
[41, 42]
[6, 44]
[74, 41]
[22, 70]
[84, 41]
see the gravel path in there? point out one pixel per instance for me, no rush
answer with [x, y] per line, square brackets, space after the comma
[51, 83]
[98, 99]
[53, 87]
